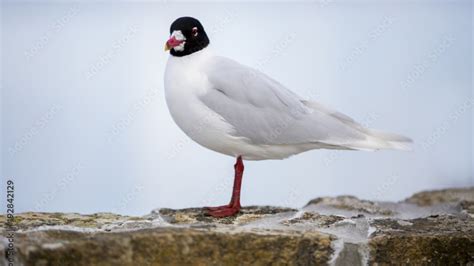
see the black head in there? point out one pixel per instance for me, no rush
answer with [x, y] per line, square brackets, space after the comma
[187, 36]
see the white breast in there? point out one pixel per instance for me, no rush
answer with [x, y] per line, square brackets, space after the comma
[184, 82]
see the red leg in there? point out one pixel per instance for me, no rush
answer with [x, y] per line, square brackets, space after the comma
[234, 206]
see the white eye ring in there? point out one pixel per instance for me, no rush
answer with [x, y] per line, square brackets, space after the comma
[195, 31]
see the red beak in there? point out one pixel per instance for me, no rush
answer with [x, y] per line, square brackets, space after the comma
[172, 42]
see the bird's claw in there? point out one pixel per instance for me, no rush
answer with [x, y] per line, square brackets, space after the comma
[222, 211]
[218, 207]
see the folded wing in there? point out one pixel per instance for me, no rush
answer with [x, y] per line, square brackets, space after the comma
[266, 113]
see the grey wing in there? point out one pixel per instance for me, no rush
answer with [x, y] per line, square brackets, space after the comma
[265, 112]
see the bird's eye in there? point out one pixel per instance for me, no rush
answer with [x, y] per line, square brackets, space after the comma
[195, 31]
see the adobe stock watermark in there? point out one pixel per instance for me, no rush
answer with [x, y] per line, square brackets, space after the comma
[375, 34]
[323, 3]
[366, 122]
[126, 121]
[56, 28]
[34, 130]
[287, 202]
[296, 112]
[388, 184]
[130, 196]
[223, 21]
[427, 62]
[200, 125]
[280, 46]
[10, 227]
[211, 197]
[107, 57]
[63, 183]
[448, 123]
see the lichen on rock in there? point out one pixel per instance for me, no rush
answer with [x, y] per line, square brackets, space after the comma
[435, 227]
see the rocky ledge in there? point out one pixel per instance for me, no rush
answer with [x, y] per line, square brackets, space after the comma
[434, 227]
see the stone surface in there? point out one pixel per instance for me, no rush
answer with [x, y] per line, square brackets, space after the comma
[427, 198]
[438, 240]
[172, 246]
[434, 227]
[350, 203]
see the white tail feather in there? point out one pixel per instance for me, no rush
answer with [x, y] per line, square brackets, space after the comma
[377, 140]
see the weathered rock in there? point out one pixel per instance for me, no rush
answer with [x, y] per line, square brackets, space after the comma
[467, 207]
[427, 198]
[172, 246]
[315, 219]
[196, 215]
[35, 220]
[349, 203]
[437, 240]
[429, 228]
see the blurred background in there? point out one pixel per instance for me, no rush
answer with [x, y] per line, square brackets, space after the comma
[85, 126]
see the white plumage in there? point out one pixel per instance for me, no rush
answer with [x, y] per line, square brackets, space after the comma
[236, 110]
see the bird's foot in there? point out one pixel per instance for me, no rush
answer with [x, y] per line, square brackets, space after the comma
[218, 207]
[223, 211]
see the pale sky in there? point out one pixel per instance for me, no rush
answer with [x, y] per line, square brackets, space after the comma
[85, 126]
